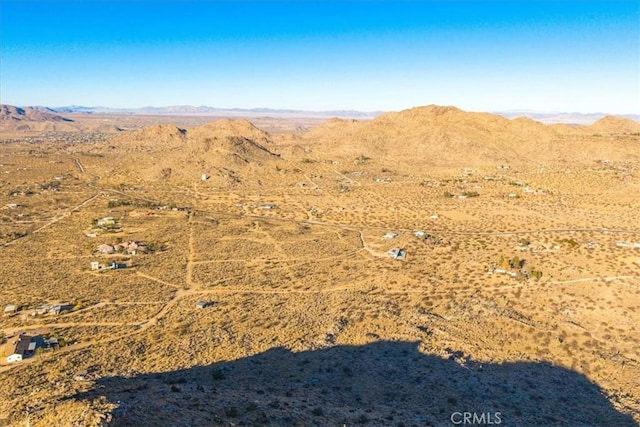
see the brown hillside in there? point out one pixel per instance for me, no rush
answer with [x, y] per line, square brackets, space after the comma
[10, 113]
[232, 128]
[614, 125]
[40, 120]
[152, 138]
[222, 150]
[448, 136]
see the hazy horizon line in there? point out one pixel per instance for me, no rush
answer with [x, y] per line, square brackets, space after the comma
[302, 110]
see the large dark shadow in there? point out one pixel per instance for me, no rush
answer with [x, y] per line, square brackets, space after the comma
[380, 384]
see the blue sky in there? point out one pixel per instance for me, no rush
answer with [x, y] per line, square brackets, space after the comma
[576, 56]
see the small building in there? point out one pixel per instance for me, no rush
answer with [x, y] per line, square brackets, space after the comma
[106, 222]
[59, 308]
[95, 265]
[202, 304]
[10, 309]
[133, 248]
[204, 177]
[268, 206]
[396, 253]
[419, 234]
[25, 347]
[390, 235]
[434, 216]
[117, 266]
[623, 244]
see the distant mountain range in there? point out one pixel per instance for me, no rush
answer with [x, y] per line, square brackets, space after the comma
[189, 110]
[566, 118]
[9, 113]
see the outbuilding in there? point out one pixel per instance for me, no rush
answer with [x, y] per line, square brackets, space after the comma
[10, 309]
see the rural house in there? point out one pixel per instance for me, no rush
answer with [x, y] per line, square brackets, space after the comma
[396, 253]
[25, 347]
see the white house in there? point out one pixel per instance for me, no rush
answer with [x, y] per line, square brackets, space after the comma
[10, 309]
[390, 235]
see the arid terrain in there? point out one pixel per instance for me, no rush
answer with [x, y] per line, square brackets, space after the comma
[516, 289]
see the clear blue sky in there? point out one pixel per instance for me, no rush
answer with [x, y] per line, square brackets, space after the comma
[581, 56]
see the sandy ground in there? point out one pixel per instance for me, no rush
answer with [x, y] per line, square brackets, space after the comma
[309, 321]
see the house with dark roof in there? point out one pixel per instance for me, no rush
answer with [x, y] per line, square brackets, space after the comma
[397, 253]
[25, 347]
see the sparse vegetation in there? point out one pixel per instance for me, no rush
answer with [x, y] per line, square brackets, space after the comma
[307, 300]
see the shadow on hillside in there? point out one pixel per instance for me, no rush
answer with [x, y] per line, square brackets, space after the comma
[380, 384]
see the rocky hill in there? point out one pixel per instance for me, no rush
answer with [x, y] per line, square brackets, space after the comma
[32, 119]
[222, 150]
[614, 125]
[448, 136]
[11, 113]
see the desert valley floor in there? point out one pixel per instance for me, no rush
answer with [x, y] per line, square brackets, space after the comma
[514, 287]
